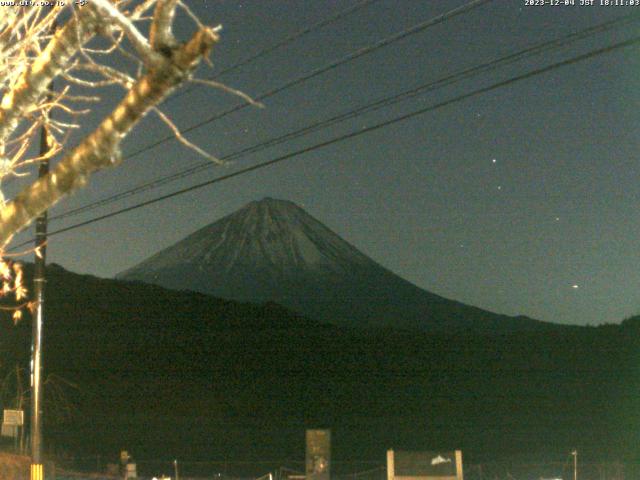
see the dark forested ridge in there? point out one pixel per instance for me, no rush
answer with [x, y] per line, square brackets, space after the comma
[167, 373]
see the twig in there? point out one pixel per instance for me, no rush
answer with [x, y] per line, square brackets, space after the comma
[183, 140]
[226, 88]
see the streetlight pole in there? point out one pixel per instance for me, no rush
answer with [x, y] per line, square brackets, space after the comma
[575, 464]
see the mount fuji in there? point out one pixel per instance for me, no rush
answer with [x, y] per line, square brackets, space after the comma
[273, 251]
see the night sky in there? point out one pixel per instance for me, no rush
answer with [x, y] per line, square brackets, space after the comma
[522, 200]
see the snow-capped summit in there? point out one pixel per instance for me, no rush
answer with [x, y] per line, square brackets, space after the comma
[274, 237]
[272, 250]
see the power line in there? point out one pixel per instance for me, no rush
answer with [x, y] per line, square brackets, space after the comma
[373, 106]
[350, 57]
[378, 126]
[319, 71]
[295, 36]
[282, 43]
[286, 41]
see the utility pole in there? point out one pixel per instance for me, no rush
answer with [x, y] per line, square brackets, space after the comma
[37, 471]
[575, 464]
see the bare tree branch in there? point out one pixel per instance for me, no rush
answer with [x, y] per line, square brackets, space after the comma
[183, 140]
[31, 88]
[101, 148]
[139, 42]
[161, 34]
[226, 88]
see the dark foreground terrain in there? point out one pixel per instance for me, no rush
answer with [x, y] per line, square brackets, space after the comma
[170, 374]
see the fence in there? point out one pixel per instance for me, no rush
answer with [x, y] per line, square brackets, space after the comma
[549, 471]
[16, 467]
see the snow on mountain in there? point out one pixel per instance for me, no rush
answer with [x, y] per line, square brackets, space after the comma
[273, 235]
[272, 250]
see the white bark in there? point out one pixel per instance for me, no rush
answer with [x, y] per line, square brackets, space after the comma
[31, 87]
[168, 64]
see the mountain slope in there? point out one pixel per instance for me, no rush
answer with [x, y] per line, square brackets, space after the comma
[272, 250]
